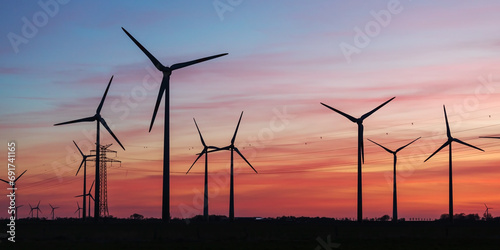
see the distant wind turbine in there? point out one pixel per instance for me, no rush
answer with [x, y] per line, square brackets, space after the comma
[487, 211]
[99, 120]
[37, 208]
[14, 181]
[233, 148]
[361, 155]
[203, 152]
[78, 209]
[89, 194]
[52, 212]
[165, 88]
[17, 216]
[448, 143]
[84, 163]
[394, 190]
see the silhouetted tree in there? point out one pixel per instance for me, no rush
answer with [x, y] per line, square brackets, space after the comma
[137, 216]
[385, 218]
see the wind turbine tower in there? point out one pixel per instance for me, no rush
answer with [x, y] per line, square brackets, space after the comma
[450, 174]
[165, 89]
[394, 190]
[361, 154]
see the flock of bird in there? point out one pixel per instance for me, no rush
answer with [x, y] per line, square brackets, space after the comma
[164, 89]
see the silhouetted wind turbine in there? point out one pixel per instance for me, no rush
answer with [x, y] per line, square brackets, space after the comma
[17, 216]
[84, 163]
[394, 190]
[232, 148]
[203, 152]
[487, 211]
[164, 87]
[31, 210]
[52, 212]
[37, 208]
[78, 209]
[361, 155]
[14, 181]
[89, 194]
[448, 143]
[99, 120]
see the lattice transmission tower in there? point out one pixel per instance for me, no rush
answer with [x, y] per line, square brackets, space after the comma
[103, 177]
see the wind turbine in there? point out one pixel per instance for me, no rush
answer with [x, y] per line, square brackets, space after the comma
[448, 143]
[203, 152]
[78, 209]
[84, 163]
[16, 210]
[361, 155]
[14, 187]
[487, 210]
[165, 87]
[52, 212]
[14, 181]
[232, 148]
[394, 190]
[37, 208]
[99, 120]
[31, 210]
[89, 194]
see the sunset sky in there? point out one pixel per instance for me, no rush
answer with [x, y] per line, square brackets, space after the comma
[285, 57]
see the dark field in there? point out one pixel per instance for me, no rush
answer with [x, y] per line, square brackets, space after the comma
[250, 234]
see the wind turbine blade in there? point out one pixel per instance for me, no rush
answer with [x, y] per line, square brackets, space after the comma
[79, 149]
[201, 137]
[448, 132]
[20, 176]
[236, 131]
[98, 111]
[5, 181]
[407, 144]
[163, 86]
[218, 149]
[199, 156]
[79, 167]
[375, 109]
[103, 122]
[185, 64]
[51, 206]
[238, 151]
[466, 144]
[80, 195]
[351, 118]
[38, 204]
[157, 63]
[92, 197]
[90, 190]
[386, 149]
[87, 119]
[490, 137]
[444, 145]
